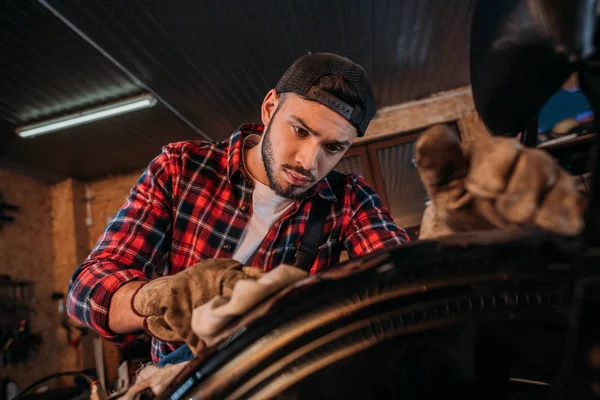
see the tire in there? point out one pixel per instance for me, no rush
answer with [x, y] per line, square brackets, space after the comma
[454, 322]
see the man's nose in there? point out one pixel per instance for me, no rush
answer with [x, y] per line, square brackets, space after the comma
[308, 155]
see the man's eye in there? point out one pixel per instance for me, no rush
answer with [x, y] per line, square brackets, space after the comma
[333, 148]
[301, 132]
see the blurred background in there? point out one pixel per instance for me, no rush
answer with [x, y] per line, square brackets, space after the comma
[195, 71]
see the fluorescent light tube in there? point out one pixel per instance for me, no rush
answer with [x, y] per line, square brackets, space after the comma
[94, 114]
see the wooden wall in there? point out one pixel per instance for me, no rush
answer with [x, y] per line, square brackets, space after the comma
[450, 106]
[27, 252]
[107, 196]
[69, 233]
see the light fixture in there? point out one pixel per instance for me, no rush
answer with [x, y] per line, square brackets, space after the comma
[83, 117]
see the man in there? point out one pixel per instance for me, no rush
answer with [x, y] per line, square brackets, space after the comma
[248, 200]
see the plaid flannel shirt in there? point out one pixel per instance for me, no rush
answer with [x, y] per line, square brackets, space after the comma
[192, 203]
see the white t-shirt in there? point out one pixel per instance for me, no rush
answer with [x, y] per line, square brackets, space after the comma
[267, 209]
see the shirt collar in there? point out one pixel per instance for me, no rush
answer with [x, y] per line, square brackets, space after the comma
[235, 164]
[235, 168]
[323, 188]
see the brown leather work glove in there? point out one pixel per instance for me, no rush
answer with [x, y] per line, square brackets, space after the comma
[493, 183]
[167, 302]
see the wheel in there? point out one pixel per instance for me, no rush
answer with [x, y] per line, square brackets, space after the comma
[420, 321]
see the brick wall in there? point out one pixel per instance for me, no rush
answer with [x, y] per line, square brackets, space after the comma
[32, 248]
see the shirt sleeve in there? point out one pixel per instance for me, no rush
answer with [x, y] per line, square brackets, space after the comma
[372, 226]
[131, 246]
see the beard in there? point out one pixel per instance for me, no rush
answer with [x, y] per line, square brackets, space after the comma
[290, 192]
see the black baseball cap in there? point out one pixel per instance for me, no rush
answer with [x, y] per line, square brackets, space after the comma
[302, 76]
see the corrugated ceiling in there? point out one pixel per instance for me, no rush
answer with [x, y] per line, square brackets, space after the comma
[210, 63]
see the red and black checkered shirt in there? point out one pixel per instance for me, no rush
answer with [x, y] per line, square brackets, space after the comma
[192, 203]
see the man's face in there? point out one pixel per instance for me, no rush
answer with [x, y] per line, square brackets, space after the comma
[303, 141]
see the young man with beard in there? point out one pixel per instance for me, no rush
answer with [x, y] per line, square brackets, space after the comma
[247, 198]
[211, 208]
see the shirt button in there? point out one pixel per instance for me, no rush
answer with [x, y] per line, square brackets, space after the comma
[227, 246]
[244, 208]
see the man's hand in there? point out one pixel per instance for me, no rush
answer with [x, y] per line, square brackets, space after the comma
[494, 183]
[167, 302]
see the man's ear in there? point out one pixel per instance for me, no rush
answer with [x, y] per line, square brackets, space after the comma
[269, 106]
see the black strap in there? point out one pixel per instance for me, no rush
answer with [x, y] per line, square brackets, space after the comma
[306, 253]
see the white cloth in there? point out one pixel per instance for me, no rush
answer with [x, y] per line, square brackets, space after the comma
[267, 209]
[212, 322]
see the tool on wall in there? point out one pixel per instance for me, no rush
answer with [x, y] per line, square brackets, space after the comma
[18, 343]
[74, 332]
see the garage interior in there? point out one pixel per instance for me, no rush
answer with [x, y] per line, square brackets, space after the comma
[208, 65]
